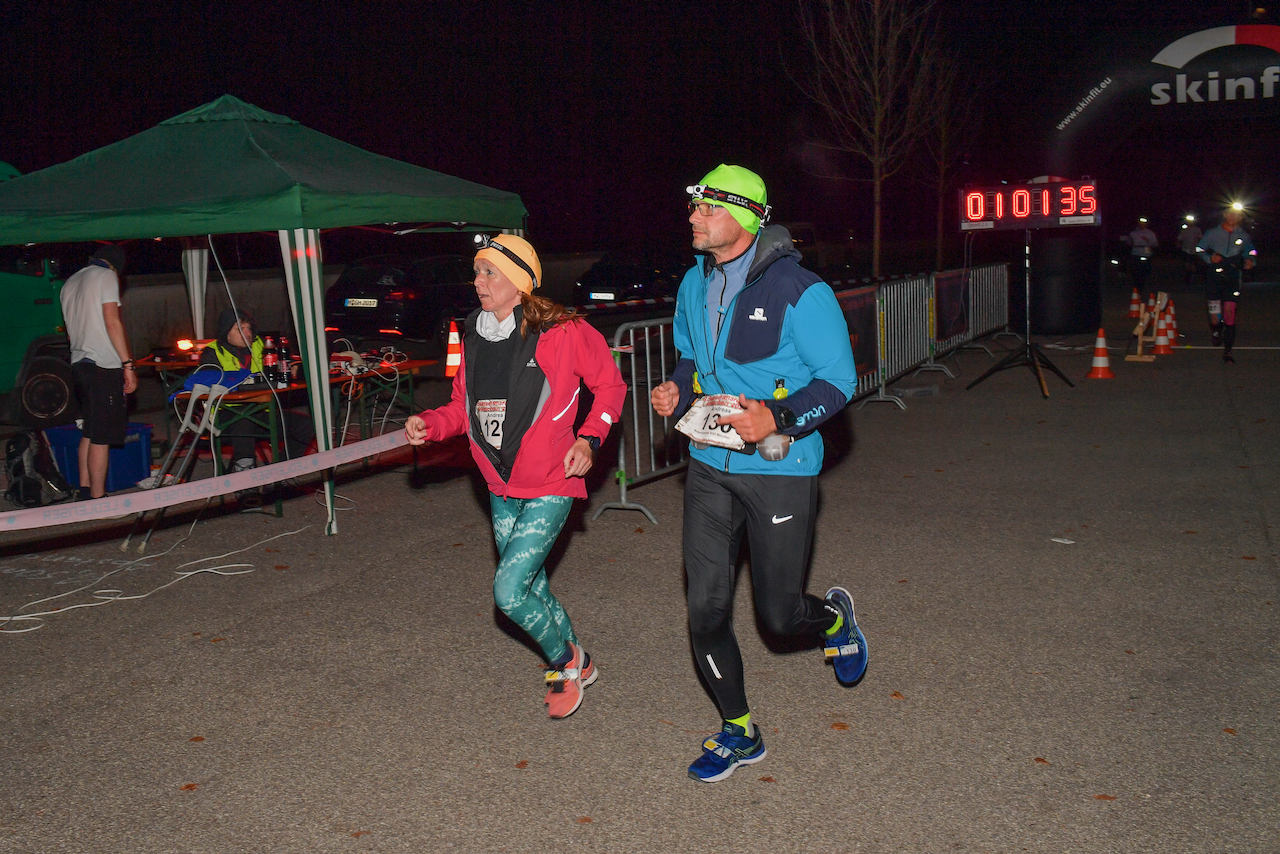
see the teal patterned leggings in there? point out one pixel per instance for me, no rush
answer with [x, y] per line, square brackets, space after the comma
[525, 529]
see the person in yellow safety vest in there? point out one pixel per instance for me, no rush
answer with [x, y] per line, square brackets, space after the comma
[239, 348]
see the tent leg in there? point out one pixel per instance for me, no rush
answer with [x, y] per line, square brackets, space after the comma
[304, 275]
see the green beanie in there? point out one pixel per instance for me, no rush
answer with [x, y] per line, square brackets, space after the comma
[739, 182]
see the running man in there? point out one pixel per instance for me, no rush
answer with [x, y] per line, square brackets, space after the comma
[752, 324]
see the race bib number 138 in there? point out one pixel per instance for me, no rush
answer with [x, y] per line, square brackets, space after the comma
[702, 422]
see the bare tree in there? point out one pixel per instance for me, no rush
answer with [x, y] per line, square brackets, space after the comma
[955, 115]
[873, 61]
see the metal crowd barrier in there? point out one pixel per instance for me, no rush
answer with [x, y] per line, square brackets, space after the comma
[904, 324]
[645, 352]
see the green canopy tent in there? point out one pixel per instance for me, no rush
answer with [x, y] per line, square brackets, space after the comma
[228, 167]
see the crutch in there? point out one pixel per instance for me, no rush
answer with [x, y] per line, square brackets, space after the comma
[212, 396]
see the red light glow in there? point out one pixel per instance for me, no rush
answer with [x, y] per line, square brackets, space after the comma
[1088, 204]
[1068, 201]
[975, 206]
[1021, 203]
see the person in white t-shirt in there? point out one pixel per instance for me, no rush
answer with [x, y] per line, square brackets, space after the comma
[100, 363]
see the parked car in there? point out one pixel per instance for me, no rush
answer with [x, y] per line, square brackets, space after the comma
[399, 296]
[619, 279]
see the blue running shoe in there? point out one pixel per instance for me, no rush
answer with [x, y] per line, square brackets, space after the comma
[725, 751]
[847, 648]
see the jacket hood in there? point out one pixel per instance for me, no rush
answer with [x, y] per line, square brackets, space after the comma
[773, 243]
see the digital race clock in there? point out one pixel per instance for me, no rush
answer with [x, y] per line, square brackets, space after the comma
[1025, 206]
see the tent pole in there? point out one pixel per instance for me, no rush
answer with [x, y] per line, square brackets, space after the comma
[304, 275]
[195, 266]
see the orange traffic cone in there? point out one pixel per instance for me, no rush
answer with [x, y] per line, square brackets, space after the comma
[1101, 363]
[453, 356]
[1173, 323]
[1135, 305]
[1162, 347]
[1151, 303]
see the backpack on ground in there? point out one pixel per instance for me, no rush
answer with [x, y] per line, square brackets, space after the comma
[34, 479]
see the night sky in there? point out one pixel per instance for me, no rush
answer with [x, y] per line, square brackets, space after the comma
[597, 114]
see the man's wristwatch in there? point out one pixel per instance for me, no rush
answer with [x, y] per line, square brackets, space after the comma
[784, 417]
[593, 441]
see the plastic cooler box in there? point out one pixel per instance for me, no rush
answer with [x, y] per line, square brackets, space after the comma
[126, 465]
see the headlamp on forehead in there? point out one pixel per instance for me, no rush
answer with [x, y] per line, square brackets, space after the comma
[702, 192]
[484, 241]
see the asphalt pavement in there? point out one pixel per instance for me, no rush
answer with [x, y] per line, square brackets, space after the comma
[1071, 608]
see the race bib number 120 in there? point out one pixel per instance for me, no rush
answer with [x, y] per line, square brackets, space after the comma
[702, 422]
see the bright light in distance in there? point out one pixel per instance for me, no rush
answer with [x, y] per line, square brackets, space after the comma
[1190, 217]
[1237, 206]
[1142, 219]
[185, 344]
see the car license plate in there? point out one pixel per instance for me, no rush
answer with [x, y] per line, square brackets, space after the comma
[356, 302]
[604, 295]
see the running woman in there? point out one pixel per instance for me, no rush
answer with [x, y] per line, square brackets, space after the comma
[515, 395]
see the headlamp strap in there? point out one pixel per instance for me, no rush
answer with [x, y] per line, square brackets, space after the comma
[702, 191]
[484, 241]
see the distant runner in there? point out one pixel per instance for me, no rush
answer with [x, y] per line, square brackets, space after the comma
[1228, 250]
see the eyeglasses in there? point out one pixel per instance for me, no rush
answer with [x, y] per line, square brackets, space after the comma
[703, 208]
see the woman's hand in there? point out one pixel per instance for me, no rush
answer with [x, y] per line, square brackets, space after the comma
[415, 430]
[578, 461]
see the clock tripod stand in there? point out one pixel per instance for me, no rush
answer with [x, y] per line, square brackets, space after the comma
[1028, 354]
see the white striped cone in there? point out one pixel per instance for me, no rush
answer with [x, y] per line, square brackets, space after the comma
[453, 356]
[1135, 305]
[1162, 347]
[1101, 362]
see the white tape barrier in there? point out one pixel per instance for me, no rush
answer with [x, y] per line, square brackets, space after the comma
[128, 503]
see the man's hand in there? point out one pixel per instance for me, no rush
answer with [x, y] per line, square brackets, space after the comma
[578, 461]
[753, 423]
[1215, 258]
[130, 380]
[415, 430]
[665, 398]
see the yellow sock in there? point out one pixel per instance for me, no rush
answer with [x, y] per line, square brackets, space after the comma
[744, 722]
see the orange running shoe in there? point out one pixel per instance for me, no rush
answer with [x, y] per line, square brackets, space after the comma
[565, 684]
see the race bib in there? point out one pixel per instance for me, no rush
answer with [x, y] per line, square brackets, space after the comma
[492, 414]
[702, 422]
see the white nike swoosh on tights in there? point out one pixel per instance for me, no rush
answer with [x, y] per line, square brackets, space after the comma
[779, 521]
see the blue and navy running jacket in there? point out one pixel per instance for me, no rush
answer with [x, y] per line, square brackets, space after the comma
[785, 329]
